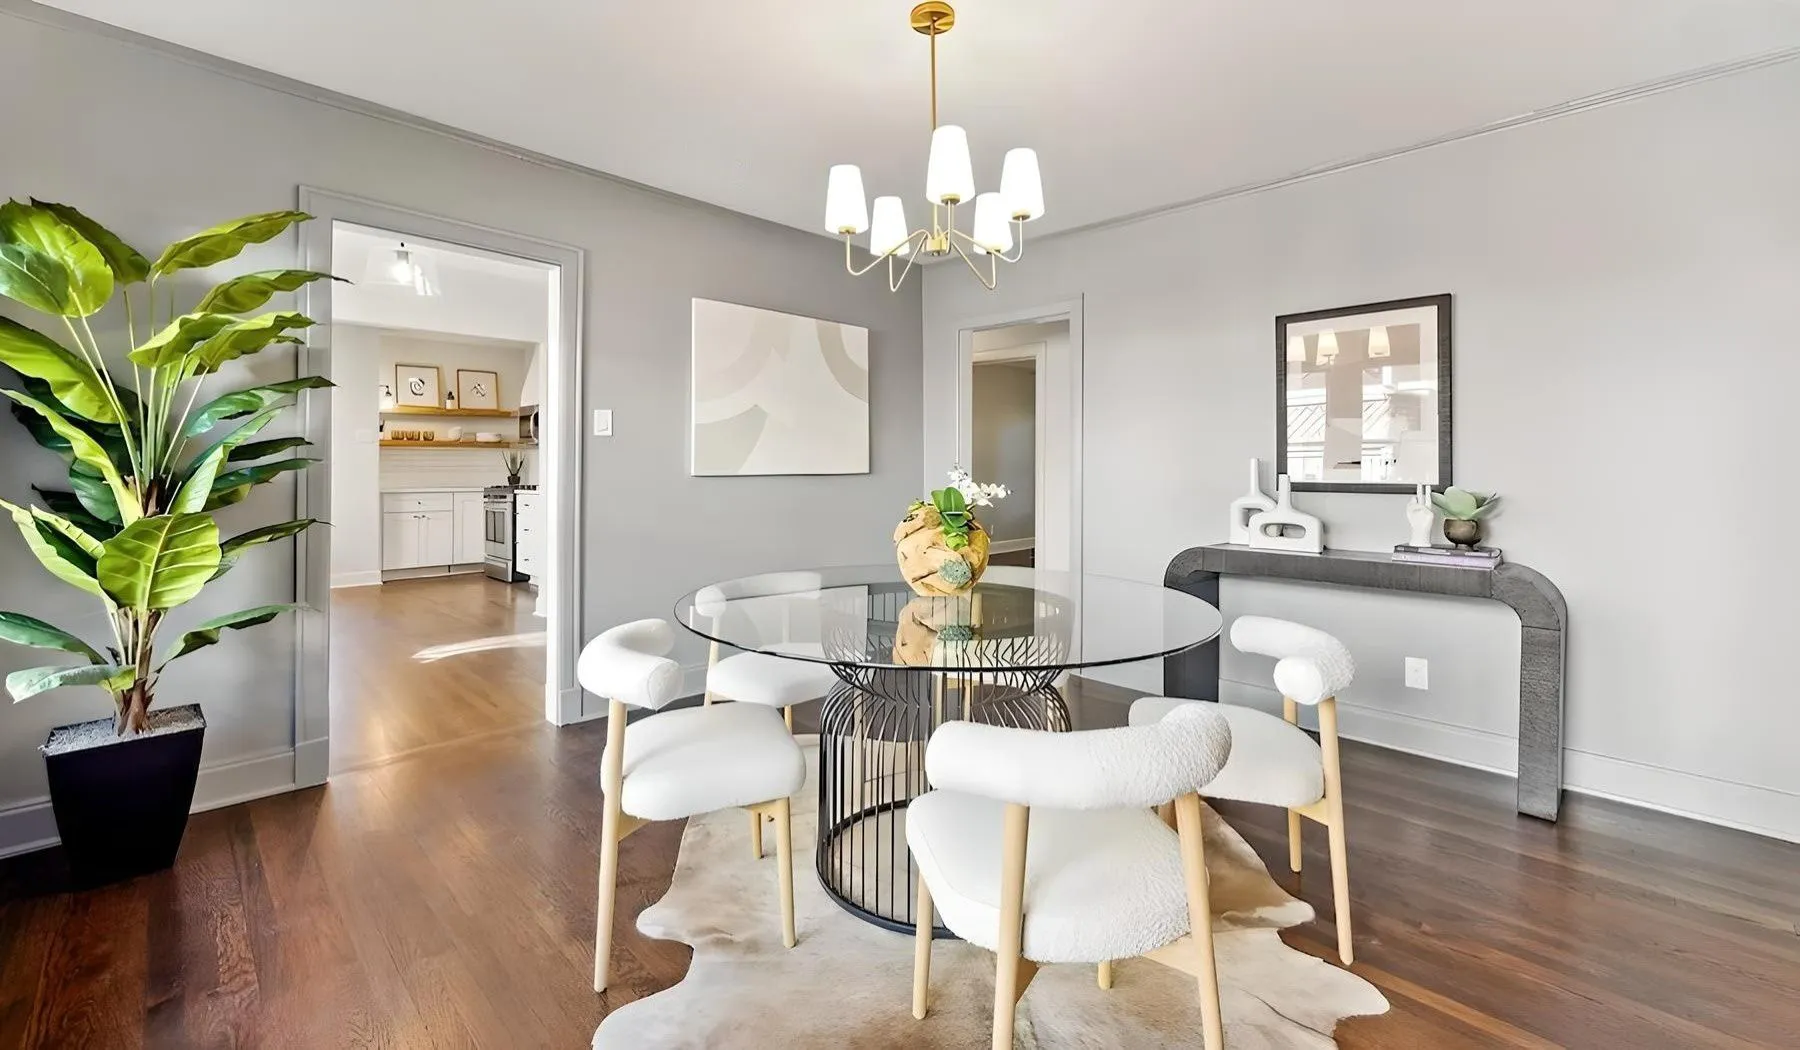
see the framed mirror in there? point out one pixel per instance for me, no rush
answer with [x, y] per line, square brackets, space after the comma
[1362, 396]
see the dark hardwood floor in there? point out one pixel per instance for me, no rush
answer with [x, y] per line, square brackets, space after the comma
[446, 899]
[421, 663]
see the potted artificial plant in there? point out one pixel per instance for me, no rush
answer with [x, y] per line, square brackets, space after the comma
[149, 462]
[941, 548]
[1463, 512]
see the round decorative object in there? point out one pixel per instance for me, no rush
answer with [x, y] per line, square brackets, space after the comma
[928, 564]
[1462, 533]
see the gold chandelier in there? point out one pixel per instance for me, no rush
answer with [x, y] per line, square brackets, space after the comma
[1000, 217]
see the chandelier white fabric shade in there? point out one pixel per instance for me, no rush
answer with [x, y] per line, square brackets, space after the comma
[403, 266]
[1327, 347]
[992, 229]
[1378, 342]
[949, 177]
[846, 209]
[1020, 186]
[889, 230]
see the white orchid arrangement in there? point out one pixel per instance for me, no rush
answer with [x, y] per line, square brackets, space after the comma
[974, 493]
[953, 503]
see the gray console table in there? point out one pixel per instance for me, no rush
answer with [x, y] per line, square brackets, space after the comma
[1543, 622]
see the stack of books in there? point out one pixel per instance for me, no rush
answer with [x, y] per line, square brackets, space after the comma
[1458, 557]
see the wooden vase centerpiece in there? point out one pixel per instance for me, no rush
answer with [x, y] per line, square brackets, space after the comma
[941, 548]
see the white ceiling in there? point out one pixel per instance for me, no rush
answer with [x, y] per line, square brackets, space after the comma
[1132, 105]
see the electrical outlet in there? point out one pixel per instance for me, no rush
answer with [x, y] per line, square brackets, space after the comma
[603, 422]
[1418, 673]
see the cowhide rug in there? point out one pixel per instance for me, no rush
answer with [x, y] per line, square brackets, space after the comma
[849, 984]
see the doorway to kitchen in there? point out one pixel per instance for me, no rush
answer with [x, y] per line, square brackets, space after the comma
[440, 613]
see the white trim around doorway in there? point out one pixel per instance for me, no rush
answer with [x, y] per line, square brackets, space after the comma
[562, 467]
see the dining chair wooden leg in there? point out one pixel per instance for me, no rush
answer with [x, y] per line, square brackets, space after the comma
[712, 657]
[612, 778]
[1106, 975]
[1199, 896]
[1334, 810]
[787, 715]
[784, 854]
[1291, 712]
[1010, 969]
[924, 920]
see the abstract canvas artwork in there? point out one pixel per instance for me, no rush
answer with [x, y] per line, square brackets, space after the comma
[776, 393]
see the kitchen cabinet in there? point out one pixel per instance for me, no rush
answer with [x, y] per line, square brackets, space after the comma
[468, 529]
[529, 530]
[422, 530]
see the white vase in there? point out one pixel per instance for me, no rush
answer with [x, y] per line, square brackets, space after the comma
[1251, 503]
[1419, 517]
[1269, 529]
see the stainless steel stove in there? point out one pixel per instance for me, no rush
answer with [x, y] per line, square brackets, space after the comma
[499, 532]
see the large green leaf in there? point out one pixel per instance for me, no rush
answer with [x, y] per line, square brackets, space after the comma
[245, 337]
[197, 483]
[232, 548]
[23, 685]
[86, 278]
[219, 243]
[69, 506]
[207, 633]
[233, 485]
[252, 451]
[95, 496]
[65, 560]
[127, 264]
[240, 295]
[160, 562]
[87, 451]
[72, 381]
[109, 437]
[20, 629]
[30, 277]
[177, 339]
[247, 402]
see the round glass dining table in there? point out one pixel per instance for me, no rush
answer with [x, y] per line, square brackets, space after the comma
[905, 663]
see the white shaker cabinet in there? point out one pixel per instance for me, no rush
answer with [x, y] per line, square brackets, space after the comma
[468, 531]
[528, 528]
[418, 529]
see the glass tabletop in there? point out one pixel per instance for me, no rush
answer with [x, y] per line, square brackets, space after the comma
[1013, 619]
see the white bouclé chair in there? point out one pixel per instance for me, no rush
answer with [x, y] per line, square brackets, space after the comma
[1043, 848]
[1273, 761]
[681, 763]
[759, 678]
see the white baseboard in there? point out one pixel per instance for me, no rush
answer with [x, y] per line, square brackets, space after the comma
[356, 579]
[30, 825]
[1008, 546]
[1744, 807]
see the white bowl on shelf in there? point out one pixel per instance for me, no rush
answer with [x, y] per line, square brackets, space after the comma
[487, 437]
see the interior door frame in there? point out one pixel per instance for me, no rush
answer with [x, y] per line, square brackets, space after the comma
[1035, 353]
[1071, 311]
[562, 461]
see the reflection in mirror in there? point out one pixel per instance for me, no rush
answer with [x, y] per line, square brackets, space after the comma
[1365, 396]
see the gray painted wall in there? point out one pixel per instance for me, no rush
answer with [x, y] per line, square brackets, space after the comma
[1004, 434]
[1625, 374]
[156, 146]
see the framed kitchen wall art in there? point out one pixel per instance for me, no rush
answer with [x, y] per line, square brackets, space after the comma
[476, 388]
[777, 393]
[418, 386]
[1362, 397]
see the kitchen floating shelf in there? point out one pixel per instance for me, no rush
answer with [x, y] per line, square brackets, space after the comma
[386, 443]
[427, 410]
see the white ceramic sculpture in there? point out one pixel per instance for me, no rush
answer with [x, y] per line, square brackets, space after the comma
[1419, 516]
[1269, 530]
[1249, 504]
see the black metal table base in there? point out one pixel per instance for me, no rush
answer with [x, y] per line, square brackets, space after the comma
[872, 738]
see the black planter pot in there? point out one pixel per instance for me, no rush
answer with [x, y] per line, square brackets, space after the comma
[122, 803]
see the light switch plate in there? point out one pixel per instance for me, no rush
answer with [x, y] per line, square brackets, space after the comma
[603, 422]
[1418, 673]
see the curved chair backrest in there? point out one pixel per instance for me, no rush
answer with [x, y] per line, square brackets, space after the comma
[1138, 766]
[1310, 664]
[628, 663]
[715, 599]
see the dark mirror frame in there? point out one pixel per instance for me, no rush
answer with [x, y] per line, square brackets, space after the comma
[1444, 401]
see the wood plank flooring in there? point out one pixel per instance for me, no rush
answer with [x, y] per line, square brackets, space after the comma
[445, 899]
[420, 663]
